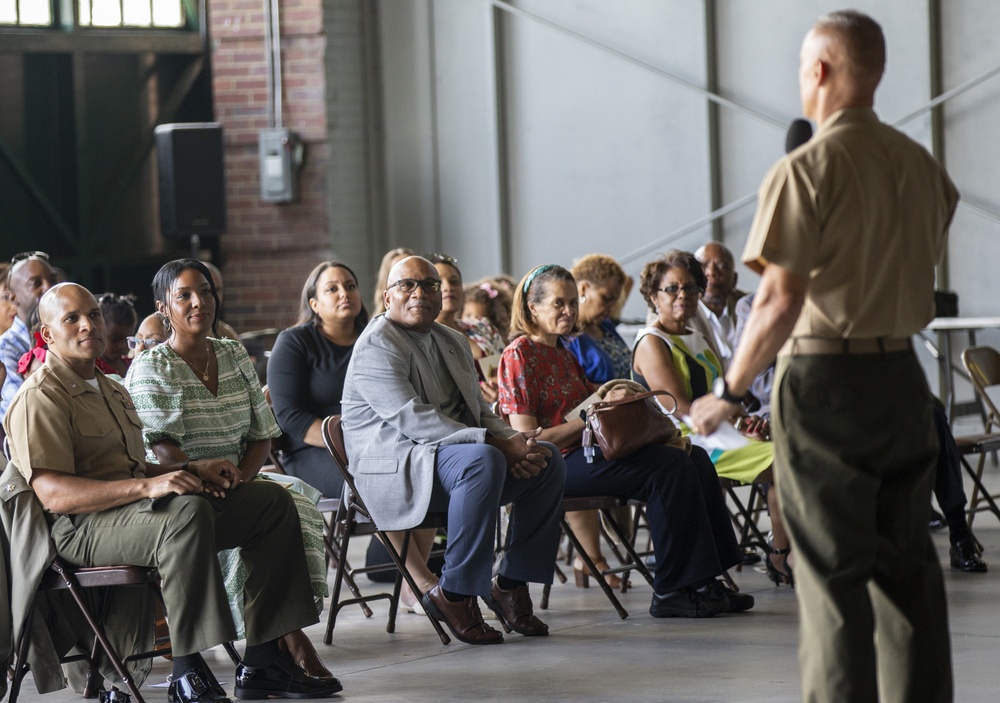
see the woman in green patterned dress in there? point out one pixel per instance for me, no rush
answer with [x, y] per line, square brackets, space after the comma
[200, 401]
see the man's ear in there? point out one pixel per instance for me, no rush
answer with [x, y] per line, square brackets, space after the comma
[46, 333]
[385, 299]
[736, 278]
[821, 71]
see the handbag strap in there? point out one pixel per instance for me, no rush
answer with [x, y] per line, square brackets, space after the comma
[607, 404]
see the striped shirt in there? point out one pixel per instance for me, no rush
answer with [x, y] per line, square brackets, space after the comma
[14, 343]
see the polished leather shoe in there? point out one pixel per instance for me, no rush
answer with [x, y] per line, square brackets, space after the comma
[736, 602]
[686, 603]
[282, 678]
[965, 556]
[463, 618]
[513, 609]
[198, 685]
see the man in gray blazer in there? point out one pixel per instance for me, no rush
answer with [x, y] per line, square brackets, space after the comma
[421, 438]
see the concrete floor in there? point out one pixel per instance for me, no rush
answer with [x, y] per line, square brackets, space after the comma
[593, 655]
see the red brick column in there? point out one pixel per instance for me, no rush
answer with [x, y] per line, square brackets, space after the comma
[269, 248]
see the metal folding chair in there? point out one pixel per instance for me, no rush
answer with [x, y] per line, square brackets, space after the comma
[354, 519]
[983, 365]
[606, 505]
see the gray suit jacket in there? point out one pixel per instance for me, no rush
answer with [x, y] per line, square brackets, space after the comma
[392, 420]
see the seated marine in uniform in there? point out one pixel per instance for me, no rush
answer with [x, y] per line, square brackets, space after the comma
[77, 439]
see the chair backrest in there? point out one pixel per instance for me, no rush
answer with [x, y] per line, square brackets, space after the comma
[333, 438]
[983, 365]
[278, 443]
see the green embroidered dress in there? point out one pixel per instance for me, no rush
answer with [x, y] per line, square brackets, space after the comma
[175, 405]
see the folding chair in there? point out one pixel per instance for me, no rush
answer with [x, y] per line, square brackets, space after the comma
[983, 365]
[354, 519]
[62, 576]
[745, 515]
[606, 505]
[327, 506]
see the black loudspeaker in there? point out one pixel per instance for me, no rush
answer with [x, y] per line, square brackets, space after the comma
[192, 179]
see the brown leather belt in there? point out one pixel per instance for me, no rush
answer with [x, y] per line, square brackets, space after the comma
[804, 346]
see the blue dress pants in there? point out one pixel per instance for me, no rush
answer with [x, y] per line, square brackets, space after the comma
[471, 482]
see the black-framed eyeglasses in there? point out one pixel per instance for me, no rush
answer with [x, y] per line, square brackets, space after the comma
[408, 285]
[24, 255]
[690, 290]
[147, 344]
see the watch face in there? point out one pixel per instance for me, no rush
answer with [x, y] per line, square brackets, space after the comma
[719, 387]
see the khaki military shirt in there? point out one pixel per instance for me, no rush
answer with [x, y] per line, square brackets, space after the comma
[58, 421]
[862, 212]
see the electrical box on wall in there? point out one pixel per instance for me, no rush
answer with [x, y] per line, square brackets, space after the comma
[281, 153]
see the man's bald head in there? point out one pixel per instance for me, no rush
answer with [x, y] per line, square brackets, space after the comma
[73, 326]
[412, 305]
[411, 267]
[29, 279]
[720, 273]
[50, 307]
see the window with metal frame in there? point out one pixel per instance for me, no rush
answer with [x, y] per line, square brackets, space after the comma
[154, 14]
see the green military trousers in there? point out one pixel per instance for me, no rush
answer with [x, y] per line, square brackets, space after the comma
[181, 537]
[855, 456]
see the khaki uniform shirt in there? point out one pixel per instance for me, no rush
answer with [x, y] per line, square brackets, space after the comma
[58, 421]
[862, 212]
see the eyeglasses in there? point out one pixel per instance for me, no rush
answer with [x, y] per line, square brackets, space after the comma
[142, 344]
[24, 255]
[408, 285]
[690, 290]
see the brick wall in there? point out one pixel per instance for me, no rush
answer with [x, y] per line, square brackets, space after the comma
[269, 248]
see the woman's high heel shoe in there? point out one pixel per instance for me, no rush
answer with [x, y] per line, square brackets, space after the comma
[783, 574]
[300, 649]
[582, 574]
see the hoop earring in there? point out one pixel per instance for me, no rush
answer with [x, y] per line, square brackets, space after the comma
[164, 320]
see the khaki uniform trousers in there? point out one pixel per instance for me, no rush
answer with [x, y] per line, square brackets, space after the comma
[855, 455]
[181, 537]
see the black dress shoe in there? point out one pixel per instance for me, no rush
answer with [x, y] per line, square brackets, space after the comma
[965, 556]
[687, 603]
[196, 686]
[282, 678]
[736, 602]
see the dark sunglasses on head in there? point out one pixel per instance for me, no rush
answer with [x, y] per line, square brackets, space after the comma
[25, 255]
[113, 298]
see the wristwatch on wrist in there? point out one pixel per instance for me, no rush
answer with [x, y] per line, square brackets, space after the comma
[721, 390]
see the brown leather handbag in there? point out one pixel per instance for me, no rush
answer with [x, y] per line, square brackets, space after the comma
[623, 427]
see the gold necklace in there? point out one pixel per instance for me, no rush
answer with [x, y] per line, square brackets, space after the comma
[208, 364]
